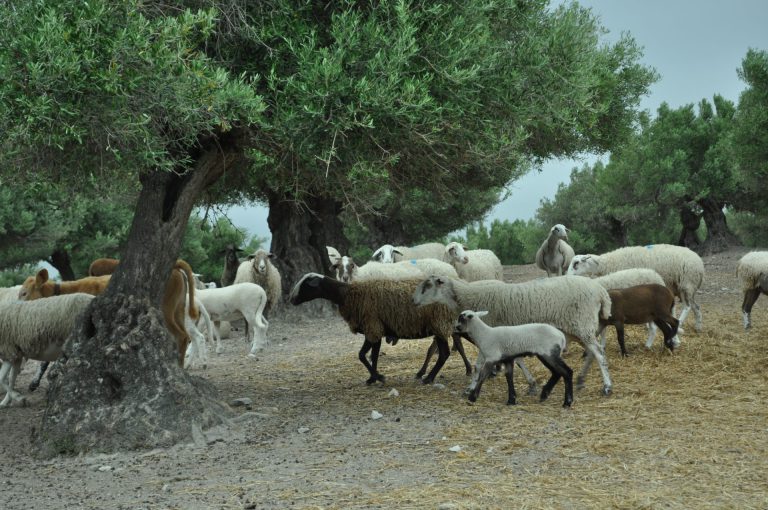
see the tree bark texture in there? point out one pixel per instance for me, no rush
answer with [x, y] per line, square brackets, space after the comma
[121, 386]
[300, 235]
[690, 222]
[719, 236]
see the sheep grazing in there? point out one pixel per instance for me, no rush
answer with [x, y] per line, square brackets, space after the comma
[641, 304]
[239, 301]
[389, 254]
[231, 264]
[35, 330]
[473, 265]
[753, 273]
[259, 269]
[102, 267]
[571, 304]
[681, 269]
[380, 308]
[555, 253]
[629, 278]
[504, 344]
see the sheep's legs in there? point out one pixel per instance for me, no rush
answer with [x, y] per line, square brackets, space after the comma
[559, 369]
[457, 345]
[41, 368]
[750, 297]
[511, 395]
[443, 351]
[594, 352]
[483, 374]
[11, 371]
[670, 332]
[374, 347]
[651, 334]
[620, 338]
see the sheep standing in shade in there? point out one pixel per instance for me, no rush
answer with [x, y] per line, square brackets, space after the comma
[571, 304]
[504, 344]
[388, 254]
[259, 269]
[231, 264]
[473, 265]
[380, 308]
[555, 253]
[681, 269]
[35, 330]
[753, 273]
[639, 305]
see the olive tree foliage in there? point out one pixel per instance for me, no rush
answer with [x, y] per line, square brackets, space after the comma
[98, 94]
[750, 133]
[411, 117]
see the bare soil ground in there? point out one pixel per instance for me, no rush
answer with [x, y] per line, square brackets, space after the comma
[680, 431]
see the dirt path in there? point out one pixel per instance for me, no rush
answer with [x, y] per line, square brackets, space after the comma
[680, 431]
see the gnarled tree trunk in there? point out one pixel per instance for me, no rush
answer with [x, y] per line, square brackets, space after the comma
[719, 236]
[300, 235]
[121, 386]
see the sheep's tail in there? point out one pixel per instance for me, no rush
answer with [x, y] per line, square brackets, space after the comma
[605, 305]
[182, 265]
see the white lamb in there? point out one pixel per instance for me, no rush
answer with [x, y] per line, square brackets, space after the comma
[259, 269]
[753, 273]
[503, 344]
[555, 253]
[35, 330]
[625, 279]
[473, 265]
[239, 301]
[571, 304]
[681, 269]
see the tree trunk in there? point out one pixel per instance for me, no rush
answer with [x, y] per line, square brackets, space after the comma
[690, 224]
[60, 260]
[385, 231]
[300, 235]
[121, 386]
[719, 236]
[618, 231]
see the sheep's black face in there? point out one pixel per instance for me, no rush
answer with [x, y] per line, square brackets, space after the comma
[307, 289]
[462, 322]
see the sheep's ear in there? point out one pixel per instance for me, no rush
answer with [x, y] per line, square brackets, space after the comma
[465, 248]
[251, 256]
[398, 252]
[271, 255]
[481, 314]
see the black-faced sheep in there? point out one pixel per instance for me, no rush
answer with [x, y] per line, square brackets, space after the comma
[231, 264]
[504, 344]
[377, 309]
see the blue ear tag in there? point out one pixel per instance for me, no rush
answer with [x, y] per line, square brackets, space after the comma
[649, 246]
[413, 262]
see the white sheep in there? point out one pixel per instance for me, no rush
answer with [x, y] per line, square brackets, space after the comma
[35, 330]
[347, 270]
[259, 269]
[388, 254]
[681, 269]
[238, 301]
[571, 304]
[555, 253]
[10, 293]
[503, 344]
[629, 278]
[473, 265]
[753, 273]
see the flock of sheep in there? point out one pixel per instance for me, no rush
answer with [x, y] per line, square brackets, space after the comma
[432, 290]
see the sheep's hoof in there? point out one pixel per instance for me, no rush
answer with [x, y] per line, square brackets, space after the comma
[427, 380]
[607, 390]
[374, 378]
[472, 397]
[567, 404]
[419, 374]
[512, 402]
[533, 389]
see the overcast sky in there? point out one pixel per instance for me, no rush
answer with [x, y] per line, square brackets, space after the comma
[695, 46]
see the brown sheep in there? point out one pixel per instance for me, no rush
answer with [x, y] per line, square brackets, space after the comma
[101, 267]
[641, 304]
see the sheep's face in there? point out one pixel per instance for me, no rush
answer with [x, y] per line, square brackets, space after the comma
[435, 289]
[560, 231]
[385, 254]
[230, 254]
[260, 261]
[457, 253]
[306, 289]
[463, 323]
[345, 269]
[584, 265]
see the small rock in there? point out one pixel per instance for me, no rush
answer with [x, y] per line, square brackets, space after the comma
[303, 430]
[166, 488]
[375, 415]
[394, 393]
[245, 401]
[447, 506]
[197, 434]
[105, 468]
[439, 386]
[456, 448]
